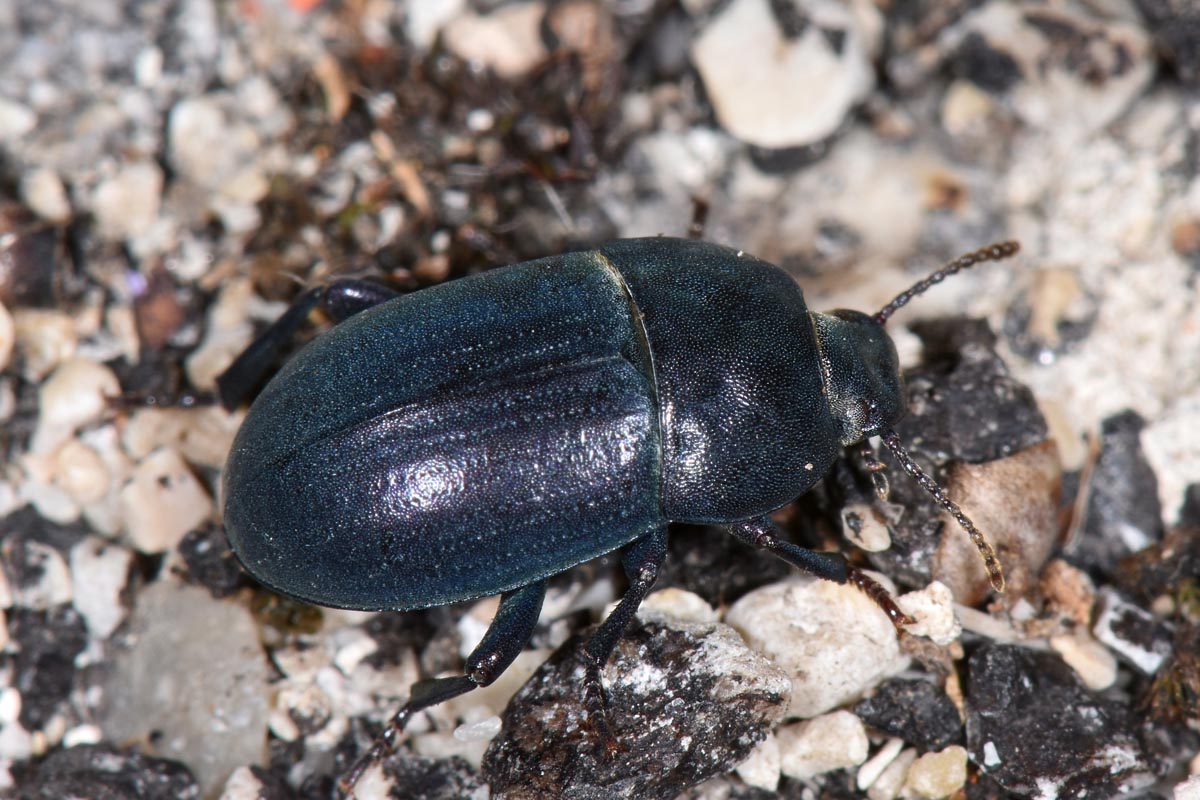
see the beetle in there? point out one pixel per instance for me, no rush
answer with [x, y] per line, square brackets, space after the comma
[477, 437]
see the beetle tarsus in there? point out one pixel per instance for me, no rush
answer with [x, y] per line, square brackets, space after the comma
[876, 468]
[882, 597]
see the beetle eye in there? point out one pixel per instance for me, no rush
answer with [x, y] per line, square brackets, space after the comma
[859, 411]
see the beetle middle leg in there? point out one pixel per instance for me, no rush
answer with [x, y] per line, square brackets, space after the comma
[340, 299]
[761, 532]
[504, 640]
[641, 561]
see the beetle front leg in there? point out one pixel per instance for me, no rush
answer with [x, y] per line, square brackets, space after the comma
[506, 637]
[761, 532]
[641, 561]
[340, 299]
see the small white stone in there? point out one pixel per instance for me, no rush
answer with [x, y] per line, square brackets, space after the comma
[822, 744]
[869, 772]
[933, 609]
[81, 472]
[243, 785]
[82, 734]
[887, 786]
[77, 394]
[773, 91]
[991, 756]
[676, 604]
[508, 41]
[935, 775]
[865, 528]
[126, 205]
[202, 435]
[762, 768]
[45, 339]
[100, 570]
[1188, 790]
[16, 744]
[10, 705]
[43, 191]
[8, 337]
[162, 502]
[353, 645]
[474, 624]
[16, 120]
[228, 333]
[1093, 662]
[832, 640]
[482, 731]
[424, 20]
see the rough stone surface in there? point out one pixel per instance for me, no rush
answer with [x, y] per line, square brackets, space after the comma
[822, 744]
[1018, 700]
[832, 640]
[918, 712]
[685, 702]
[1123, 512]
[104, 772]
[196, 676]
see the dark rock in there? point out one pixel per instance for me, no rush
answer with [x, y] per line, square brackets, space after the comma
[1175, 26]
[1163, 568]
[962, 406]
[1123, 512]
[44, 664]
[686, 703]
[987, 67]
[1174, 696]
[31, 260]
[918, 712]
[1034, 729]
[210, 561]
[416, 778]
[1189, 513]
[103, 772]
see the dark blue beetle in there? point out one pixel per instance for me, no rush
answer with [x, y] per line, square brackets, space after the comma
[477, 437]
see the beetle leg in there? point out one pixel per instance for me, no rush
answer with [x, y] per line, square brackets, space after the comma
[506, 637]
[761, 532]
[341, 299]
[641, 561]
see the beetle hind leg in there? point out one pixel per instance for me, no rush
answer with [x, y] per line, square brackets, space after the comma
[340, 299]
[641, 561]
[506, 637]
[761, 532]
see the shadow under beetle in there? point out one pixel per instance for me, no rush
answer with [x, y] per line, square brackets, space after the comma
[477, 437]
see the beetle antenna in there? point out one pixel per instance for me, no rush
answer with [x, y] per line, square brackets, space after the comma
[990, 561]
[993, 252]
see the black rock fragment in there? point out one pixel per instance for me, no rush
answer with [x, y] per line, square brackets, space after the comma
[1175, 26]
[103, 772]
[962, 406]
[417, 778]
[210, 561]
[918, 712]
[44, 664]
[1123, 512]
[686, 703]
[1033, 728]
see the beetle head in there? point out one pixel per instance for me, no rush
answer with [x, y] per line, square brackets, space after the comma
[862, 382]
[861, 372]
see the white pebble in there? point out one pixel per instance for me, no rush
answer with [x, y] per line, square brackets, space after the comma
[869, 772]
[775, 91]
[1092, 661]
[890, 781]
[933, 609]
[82, 734]
[45, 339]
[243, 785]
[936, 775]
[43, 191]
[80, 472]
[762, 768]
[832, 640]
[482, 731]
[508, 41]
[162, 502]
[16, 120]
[1189, 789]
[77, 394]
[678, 605]
[126, 205]
[822, 744]
[100, 570]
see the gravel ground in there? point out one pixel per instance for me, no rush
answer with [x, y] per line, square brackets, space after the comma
[174, 172]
